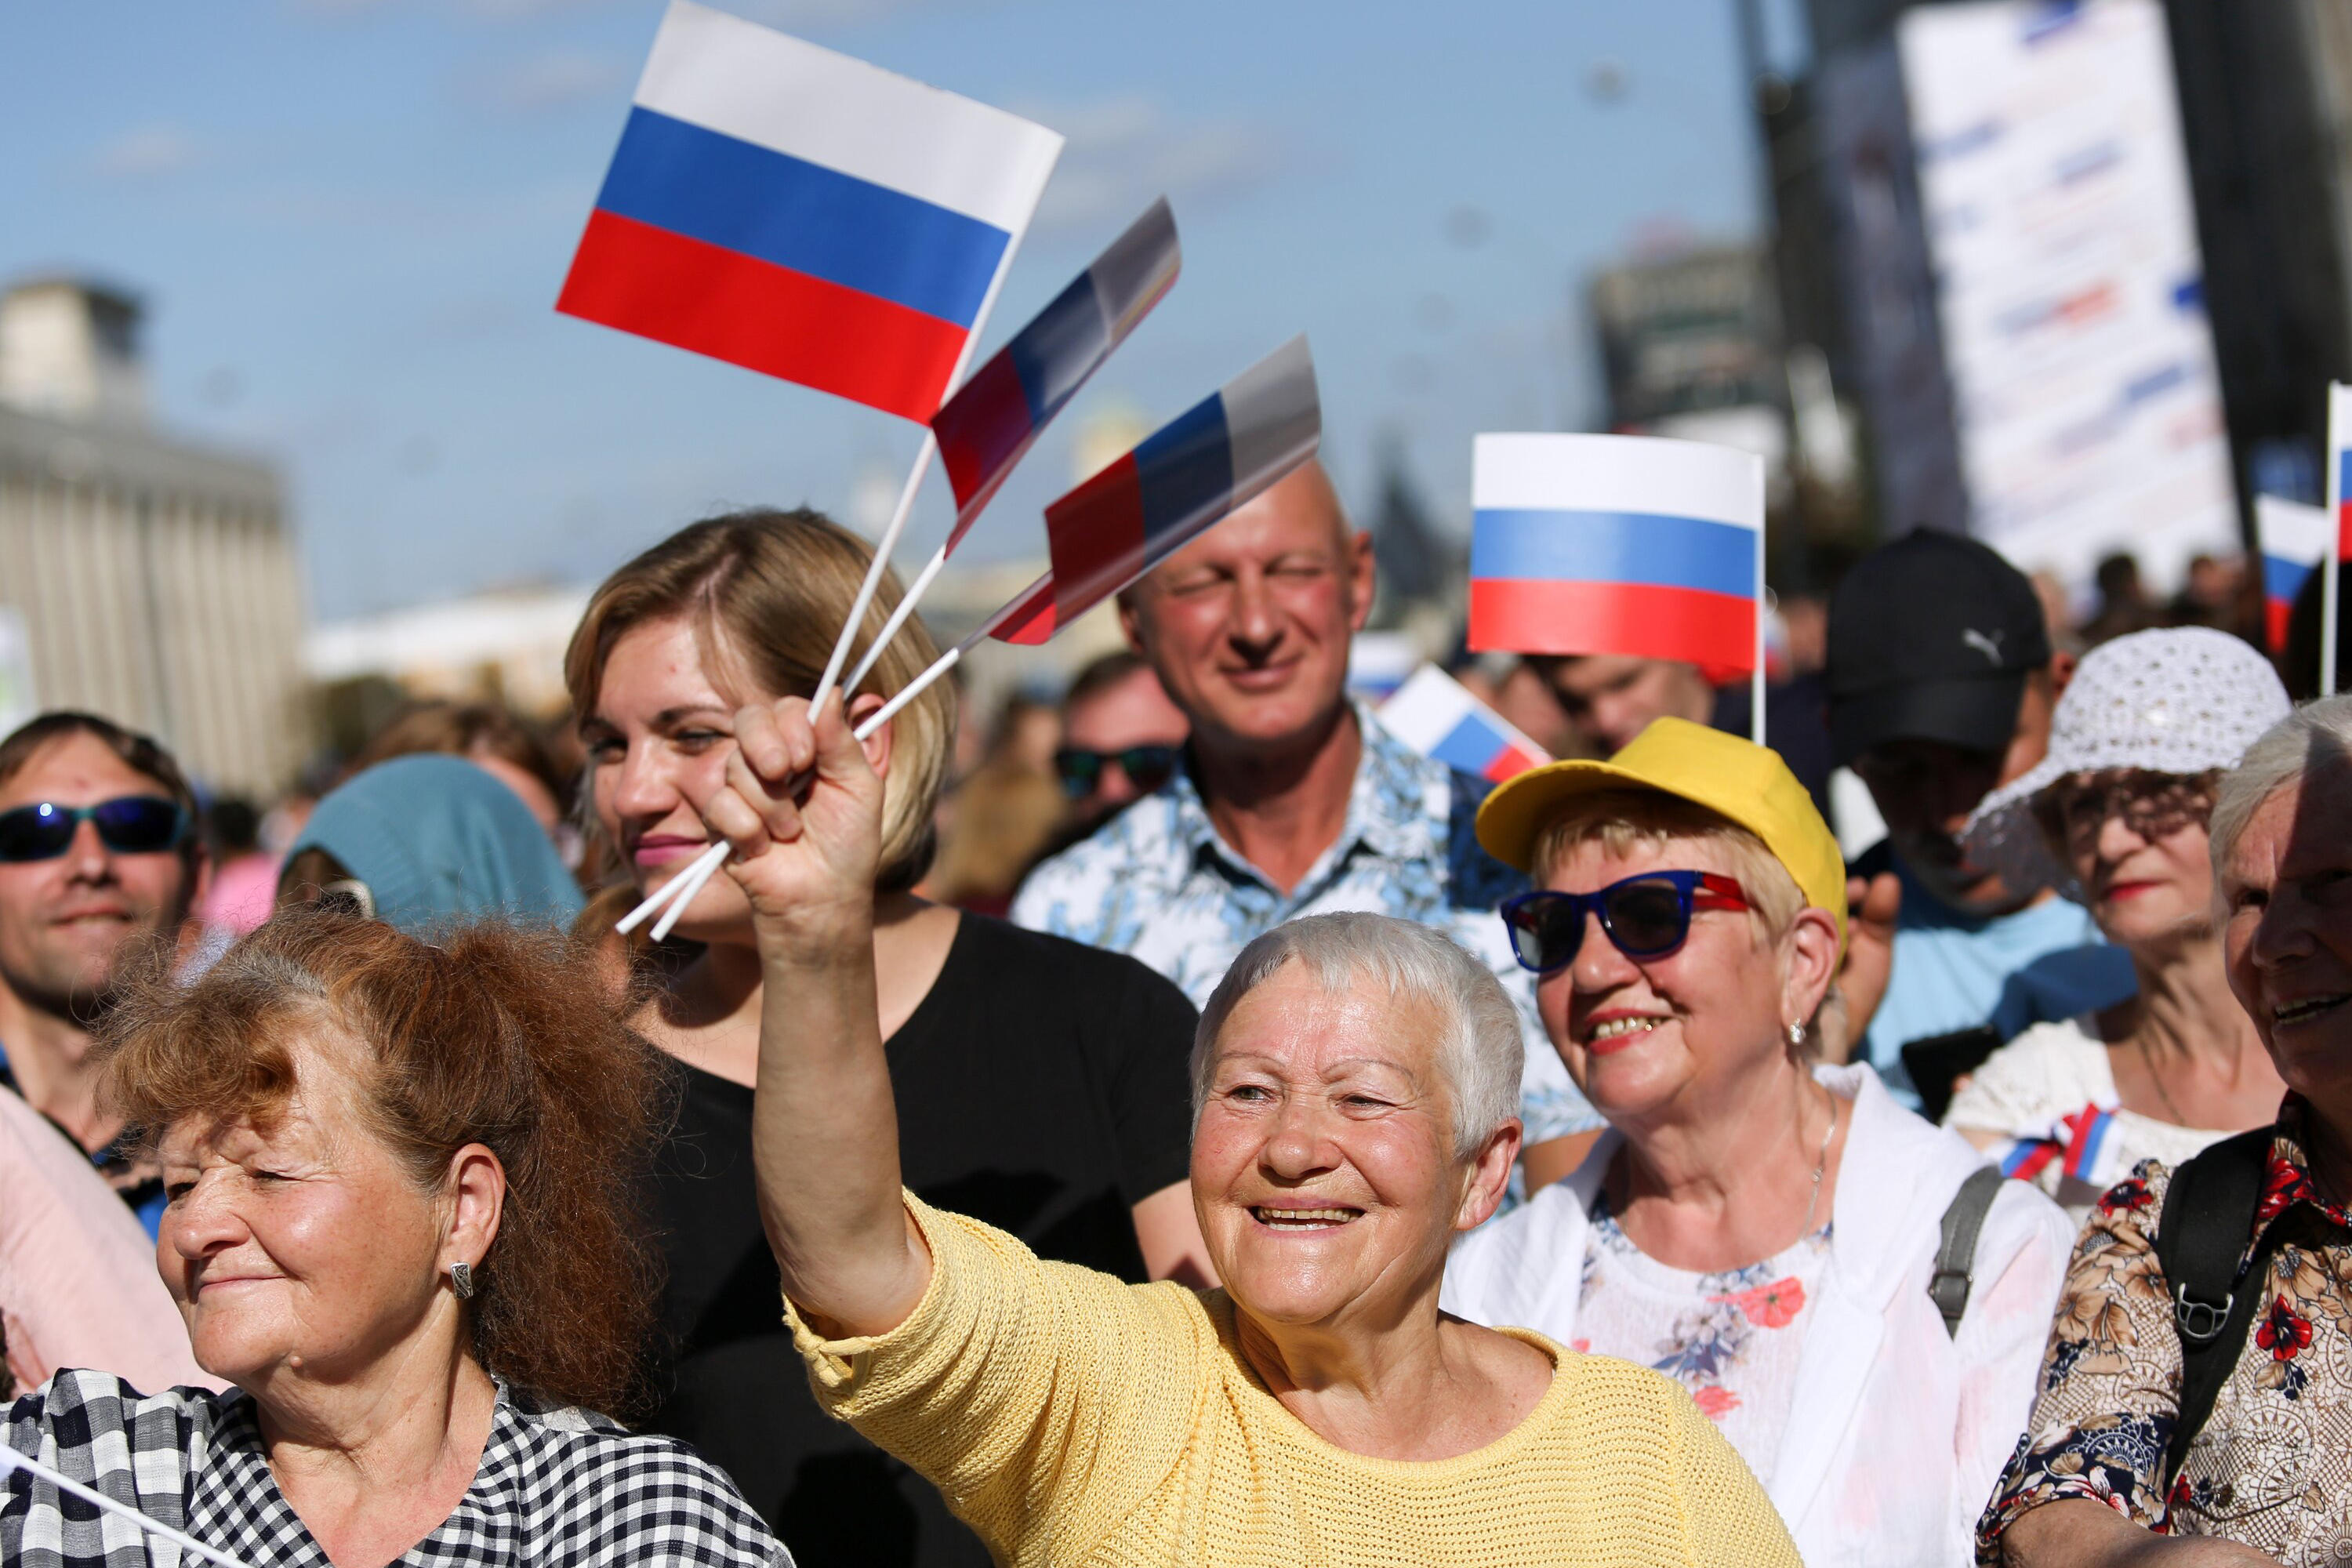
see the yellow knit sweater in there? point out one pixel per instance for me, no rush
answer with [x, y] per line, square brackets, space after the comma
[1074, 1420]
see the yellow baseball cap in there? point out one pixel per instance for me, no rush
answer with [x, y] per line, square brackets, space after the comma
[1735, 779]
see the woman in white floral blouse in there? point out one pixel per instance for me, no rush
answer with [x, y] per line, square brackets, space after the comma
[1761, 1226]
[2268, 1475]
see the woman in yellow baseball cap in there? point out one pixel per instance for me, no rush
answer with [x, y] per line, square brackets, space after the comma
[1851, 1293]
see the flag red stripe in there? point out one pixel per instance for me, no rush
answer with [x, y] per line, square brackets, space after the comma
[1029, 621]
[1517, 616]
[763, 317]
[1096, 536]
[1510, 763]
[979, 445]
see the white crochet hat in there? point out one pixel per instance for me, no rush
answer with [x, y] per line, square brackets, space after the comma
[2184, 701]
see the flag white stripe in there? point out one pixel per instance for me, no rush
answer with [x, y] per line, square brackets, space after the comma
[2290, 529]
[1273, 417]
[1619, 474]
[757, 85]
[1422, 712]
[1429, 706]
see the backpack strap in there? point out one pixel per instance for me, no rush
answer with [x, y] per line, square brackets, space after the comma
[2200, 1240]
[1955, 1255]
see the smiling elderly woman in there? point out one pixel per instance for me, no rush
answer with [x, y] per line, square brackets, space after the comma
[1357, 1079]
[396, 1219]
[1779, 1236]
[2197, 1384]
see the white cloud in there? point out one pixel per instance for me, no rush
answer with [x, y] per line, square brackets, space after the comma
[556, 82]
[147, 151]
[1125, 151]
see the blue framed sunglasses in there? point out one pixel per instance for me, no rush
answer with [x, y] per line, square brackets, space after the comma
[127, 825]
[1644, 917]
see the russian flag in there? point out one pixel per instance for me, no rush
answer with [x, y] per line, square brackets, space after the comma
[994, 417]
[1628, 544]
[1433, 714]
[2339, 458]
[805, 215]
[1184, 477]
[2292, 539]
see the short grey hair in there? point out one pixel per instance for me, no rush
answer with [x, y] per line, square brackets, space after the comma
[1480, 1048]
[2316, 733]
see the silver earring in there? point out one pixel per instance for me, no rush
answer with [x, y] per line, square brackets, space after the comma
[1797, 1035]
[461, 1280]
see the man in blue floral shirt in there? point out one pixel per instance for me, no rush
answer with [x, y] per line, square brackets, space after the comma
[1292, 800]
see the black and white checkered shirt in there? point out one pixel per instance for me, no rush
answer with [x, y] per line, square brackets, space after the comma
[555, 1488]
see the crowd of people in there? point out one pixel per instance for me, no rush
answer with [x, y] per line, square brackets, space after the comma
[1186, 1124]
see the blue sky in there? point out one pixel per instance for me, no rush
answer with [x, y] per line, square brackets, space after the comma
[350, 219]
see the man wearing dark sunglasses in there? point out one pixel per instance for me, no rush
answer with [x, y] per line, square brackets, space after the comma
[1120, 739]
[98, 856]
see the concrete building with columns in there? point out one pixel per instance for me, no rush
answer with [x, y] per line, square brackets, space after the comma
[152, 580]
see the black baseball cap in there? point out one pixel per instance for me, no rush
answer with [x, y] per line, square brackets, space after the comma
[1931, 638]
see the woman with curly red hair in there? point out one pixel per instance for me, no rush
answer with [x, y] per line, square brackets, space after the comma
[398, 1219]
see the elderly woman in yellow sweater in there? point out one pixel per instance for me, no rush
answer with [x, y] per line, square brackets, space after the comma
[1356, 1084]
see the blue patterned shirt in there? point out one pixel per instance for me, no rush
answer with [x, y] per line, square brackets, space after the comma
[1160, 884]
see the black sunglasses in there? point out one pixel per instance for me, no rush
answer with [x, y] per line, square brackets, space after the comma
[127, 825]
[1644, 917]
[1148, 766]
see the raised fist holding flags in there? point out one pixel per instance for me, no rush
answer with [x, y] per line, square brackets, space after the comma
[800, 806]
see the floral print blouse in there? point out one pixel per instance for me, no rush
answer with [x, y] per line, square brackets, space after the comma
[1732, 1338]
[2272, 1466]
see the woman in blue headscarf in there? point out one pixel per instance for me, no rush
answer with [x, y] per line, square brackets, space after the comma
[425, 842]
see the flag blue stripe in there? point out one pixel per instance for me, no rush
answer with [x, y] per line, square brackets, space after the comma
[2083, 1159]
[1184, 470]
[803, 215]
[1470, 746]
[1559, 546]
[1054, 353]
[2344, 475]
[2281, 578]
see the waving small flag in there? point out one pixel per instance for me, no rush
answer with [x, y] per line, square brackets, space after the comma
[802, 213]
[1187, 475]
[1627, 544]
[2340, 463]
[2293, 538]
[994, 417]
[1432, 713]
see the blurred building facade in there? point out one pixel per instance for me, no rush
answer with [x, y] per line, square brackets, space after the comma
[1681, 331]
[154, 580]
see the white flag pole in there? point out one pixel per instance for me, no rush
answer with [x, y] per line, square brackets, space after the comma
[890, 539]
[686, 884]
[2338, 392]
[880, 564]
[96, 1498]
[906, 603]
[1755, 676]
